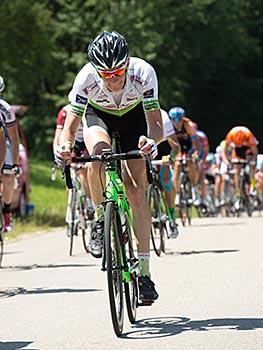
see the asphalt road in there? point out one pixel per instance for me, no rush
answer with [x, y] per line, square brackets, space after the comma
[210, 283]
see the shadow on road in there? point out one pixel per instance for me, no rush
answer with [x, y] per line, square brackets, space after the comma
[168, 326]
[8, 293]
[46, 266]
[12, 345]
[192, 252]
[220, 224]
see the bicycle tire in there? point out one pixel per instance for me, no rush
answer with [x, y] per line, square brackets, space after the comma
[72, 227]
[112, 230]
[157, 230]
[183, 207]
[131, 287]
[188, 192]
[84, 224]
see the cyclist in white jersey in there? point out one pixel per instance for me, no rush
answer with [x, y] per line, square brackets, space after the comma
[167, 150]
[119, 93]
[12, 143]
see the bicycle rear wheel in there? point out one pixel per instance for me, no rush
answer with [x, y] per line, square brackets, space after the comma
[130, 285]
[157, 228]
[112, 232]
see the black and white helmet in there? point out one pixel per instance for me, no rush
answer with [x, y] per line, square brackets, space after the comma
[2, 84]
[108, 50]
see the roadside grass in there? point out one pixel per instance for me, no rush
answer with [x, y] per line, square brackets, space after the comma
[48, 197]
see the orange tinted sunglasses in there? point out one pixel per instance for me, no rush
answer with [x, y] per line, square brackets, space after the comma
[110, 74]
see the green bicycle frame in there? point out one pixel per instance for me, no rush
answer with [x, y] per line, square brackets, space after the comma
[114, 191]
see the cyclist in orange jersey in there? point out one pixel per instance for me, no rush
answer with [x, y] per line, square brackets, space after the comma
[245, 148]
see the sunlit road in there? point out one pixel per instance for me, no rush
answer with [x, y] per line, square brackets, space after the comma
[210, 284]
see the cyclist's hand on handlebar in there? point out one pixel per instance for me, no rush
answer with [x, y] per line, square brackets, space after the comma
[166, 159]
[195, 156]
[16, 170]
[148, 146]
[63, 152]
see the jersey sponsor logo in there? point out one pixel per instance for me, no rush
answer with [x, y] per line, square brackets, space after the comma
[81, 99]
[131, 98]
[138, 79]
[102, 101]
[90, 87]
[148, 93]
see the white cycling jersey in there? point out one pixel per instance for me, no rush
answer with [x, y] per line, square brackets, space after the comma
[140, 85]
[7, 114]
[8, 118]
[168, 128]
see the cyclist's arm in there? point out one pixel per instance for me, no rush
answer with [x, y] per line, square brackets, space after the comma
[14, 138]
[254, 150]
[71, 125]
[154, 121]
[206, 148]
[191, 131]
[2, 148]
[56, 140]
[174, 144]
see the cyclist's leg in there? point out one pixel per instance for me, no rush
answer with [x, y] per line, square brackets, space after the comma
[96, 139]
[135, 185]
[194, 176]
[176, 180]
[165, 175]
[8, 188]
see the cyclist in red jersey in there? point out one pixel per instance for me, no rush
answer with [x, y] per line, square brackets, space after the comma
[8, 121]
[79, 147]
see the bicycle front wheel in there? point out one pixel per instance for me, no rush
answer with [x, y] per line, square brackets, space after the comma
[112, 232]
[130, 284]
[157, 228]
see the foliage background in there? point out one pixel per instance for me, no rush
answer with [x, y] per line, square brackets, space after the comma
[207, 54]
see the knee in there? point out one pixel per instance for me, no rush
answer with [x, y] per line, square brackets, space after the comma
[136, 195]
[99, 147]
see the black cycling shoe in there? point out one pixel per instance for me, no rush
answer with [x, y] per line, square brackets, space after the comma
[96, 238]
[147, 291]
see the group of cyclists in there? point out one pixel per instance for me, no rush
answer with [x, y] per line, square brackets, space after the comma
[118, 93]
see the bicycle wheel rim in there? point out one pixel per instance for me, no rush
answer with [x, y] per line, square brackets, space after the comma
[114, 264]
[156, 227]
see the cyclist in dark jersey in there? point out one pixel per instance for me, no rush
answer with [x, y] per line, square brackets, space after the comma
[185, 132]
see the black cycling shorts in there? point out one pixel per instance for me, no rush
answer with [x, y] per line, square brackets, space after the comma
[241, 152]
[164, 149]
[79, 148]
[129, 127]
